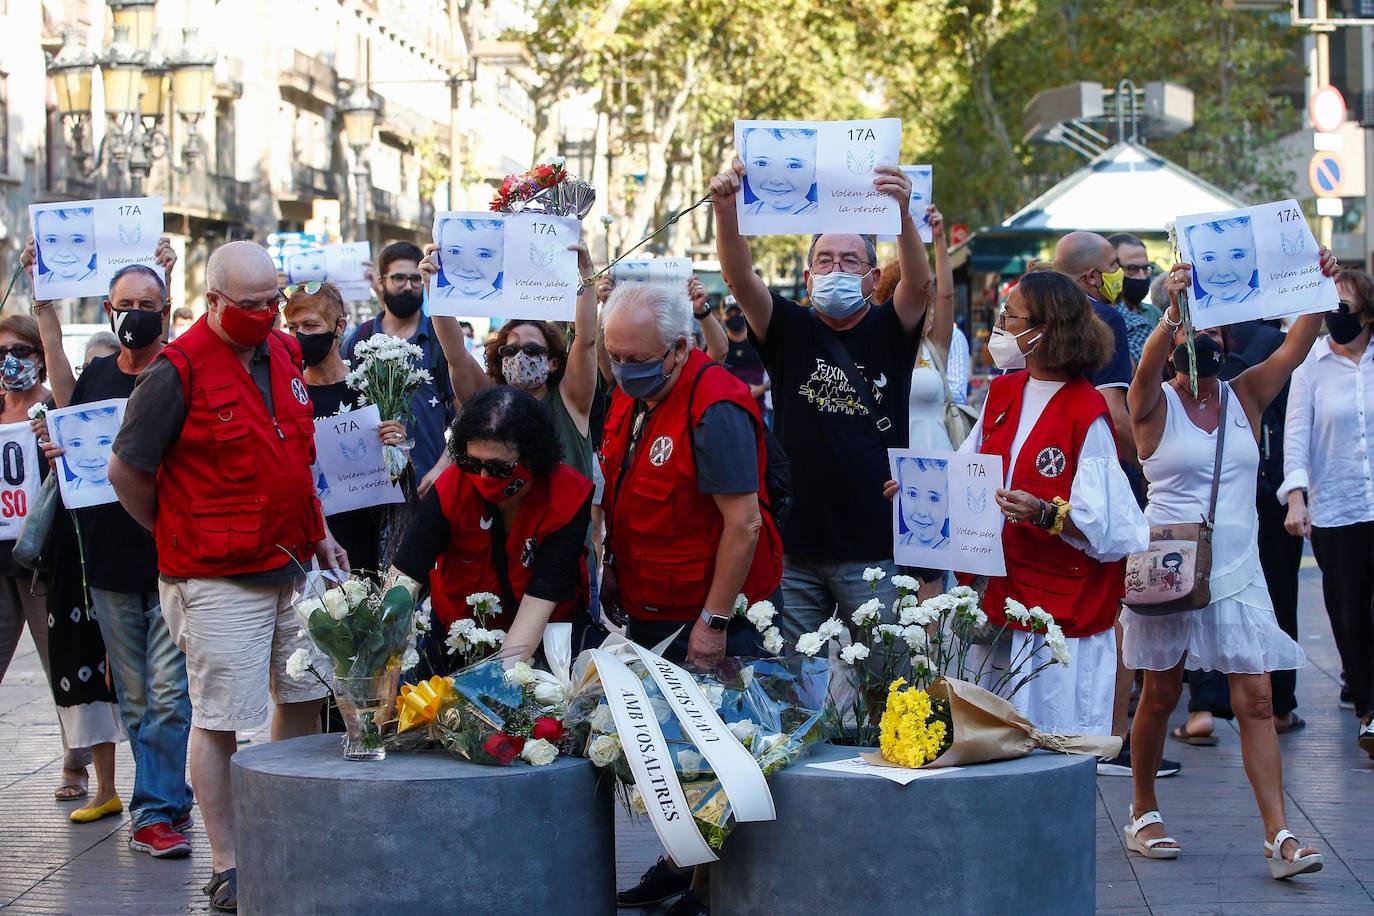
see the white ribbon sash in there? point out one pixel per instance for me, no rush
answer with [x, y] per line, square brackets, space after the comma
[734, 766]
[647, 752]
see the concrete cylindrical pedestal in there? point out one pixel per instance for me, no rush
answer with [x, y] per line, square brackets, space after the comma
[418, 833]
[1011, 837]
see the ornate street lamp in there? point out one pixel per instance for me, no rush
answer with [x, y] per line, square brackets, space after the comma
[152, 104]
[138, 17]
[70, 72]
[193, 76]
[359, 114]
[121, 70]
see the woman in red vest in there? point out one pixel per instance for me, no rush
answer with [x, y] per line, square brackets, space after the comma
[1071, 518]
[509, 518]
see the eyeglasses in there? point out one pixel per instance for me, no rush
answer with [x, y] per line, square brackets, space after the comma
[310, 288]
[499, 469]
[262, 305]
[529, 349]
[1138, 270]
[850, 264]
[1002, 318]
[18, 351]
[406, 279]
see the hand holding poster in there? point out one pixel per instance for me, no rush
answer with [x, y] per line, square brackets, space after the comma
[944, 515]
[82, 244]
[1257, 262]
[18, 477]
[922, 188]
[350, 470]
[816, 176]
[86, 434]
[340, 264]
[505, 264]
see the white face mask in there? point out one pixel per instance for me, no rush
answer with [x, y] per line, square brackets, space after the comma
[1005, 349]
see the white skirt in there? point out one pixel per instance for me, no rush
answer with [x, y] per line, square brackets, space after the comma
[1072, 699]
[1230, 636]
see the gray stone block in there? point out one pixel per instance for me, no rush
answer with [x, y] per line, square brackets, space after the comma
[418, 833]
[1010, 837]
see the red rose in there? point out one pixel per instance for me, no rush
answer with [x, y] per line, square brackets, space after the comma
[503, 748]
[548, 728]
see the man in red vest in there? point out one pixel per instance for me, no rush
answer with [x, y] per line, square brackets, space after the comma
[687, 529]
[214, 458]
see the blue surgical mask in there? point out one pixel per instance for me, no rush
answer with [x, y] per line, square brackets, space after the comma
[641, 380]
[838, 295]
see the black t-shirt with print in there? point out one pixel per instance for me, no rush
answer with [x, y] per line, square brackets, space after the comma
[839, 460]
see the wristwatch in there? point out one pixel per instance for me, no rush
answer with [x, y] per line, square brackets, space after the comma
[714, 621]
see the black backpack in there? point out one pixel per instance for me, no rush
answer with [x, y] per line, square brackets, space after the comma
[777, 474]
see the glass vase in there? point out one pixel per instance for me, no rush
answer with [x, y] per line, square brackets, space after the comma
[368, 707]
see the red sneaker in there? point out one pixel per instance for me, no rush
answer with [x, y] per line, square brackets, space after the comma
[160, 841]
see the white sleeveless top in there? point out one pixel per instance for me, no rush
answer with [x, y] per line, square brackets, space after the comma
[1180, 479]
[926, 411]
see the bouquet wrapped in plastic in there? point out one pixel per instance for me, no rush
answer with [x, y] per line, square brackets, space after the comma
[545, 188]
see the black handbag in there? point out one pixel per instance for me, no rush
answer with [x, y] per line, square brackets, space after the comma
[33, 548]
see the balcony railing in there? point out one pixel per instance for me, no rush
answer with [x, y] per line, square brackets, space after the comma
[402, 210]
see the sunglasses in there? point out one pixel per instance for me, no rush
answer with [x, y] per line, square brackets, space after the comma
[529, 349]
[499, 469]
[18, 351]
[310, 288]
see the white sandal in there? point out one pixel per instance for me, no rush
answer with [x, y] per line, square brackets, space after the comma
[1150, 849]
[1280, 867]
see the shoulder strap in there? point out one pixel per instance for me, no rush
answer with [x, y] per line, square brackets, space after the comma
[832, 348]
[1221, 445]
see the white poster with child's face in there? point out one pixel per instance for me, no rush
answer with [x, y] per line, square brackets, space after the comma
[944, 515]
[82, 244]
[922, 178]
[350, 470]
[340, 264]
[18, 477]
[86, 434]
[516, 265]
[1254, 263]
[816, 176]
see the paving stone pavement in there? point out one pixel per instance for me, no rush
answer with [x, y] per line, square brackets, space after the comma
[48, 865]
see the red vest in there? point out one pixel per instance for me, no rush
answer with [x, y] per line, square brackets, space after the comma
[466, 567]
[661, 531]
[235, 488]
[1082, 594]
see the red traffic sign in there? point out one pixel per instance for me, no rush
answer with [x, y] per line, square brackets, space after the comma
[1326, 174]
[958, 234]
[1327, 109]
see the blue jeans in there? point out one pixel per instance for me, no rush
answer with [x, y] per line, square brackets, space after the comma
[154, 704]
[814, 589]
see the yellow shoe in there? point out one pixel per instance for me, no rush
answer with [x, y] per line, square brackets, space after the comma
[96, 812]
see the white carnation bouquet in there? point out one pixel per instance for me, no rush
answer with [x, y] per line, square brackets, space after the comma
[386, 374]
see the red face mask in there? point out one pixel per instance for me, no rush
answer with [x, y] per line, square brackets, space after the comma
[497, 490]
[247, 329]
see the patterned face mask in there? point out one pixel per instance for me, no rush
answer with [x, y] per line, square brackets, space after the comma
[18, 374]
[524, 371]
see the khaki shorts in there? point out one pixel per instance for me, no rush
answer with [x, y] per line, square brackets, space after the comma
[237, 638]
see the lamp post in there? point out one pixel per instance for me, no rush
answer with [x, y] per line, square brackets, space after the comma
[138, 18]
[193, 77]
[71, 73]
[359, 114]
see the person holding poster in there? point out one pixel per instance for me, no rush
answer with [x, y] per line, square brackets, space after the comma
[149, 670]
[507, 517]
[841, 376]
[214, 458]
[1237, 634]
[1071, 515]
[314, 315]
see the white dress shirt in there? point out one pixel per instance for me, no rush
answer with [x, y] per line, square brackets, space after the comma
[1328, 440]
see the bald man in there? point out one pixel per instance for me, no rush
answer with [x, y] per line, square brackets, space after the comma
[214, 458]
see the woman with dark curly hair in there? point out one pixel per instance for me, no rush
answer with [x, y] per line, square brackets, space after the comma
[1071, 518]
[509, 518]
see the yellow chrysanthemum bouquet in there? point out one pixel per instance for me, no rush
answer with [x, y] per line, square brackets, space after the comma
[914, 729]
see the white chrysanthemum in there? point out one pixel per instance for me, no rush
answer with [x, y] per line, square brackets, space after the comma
[917, 638]
[539, 752]
[1059, 647]
[761, 615]
[458, 635]
[38, 410]
[1017, 611]
[889, 632]
[744, 730]
[423, 619]
[809, 643]
[409, 659]
[868, 613]
[298, 665]
[772, 641]
[603, 721]
[906, 583]
[874, 574]
[355, 591]
[1038, 615]
[741, 604]
[830, 629]
[604, 750]
[853, 653]
[307, 607]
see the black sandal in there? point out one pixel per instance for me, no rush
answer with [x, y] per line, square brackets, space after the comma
[223, 889]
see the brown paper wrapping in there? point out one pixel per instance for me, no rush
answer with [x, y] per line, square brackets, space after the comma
[988, 728]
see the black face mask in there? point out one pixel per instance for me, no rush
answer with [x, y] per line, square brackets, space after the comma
[1208, 356]
[136, 329]
[1344, 327]
[315, 347]
[735, 323]
[1135, 289]
[403, 305]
